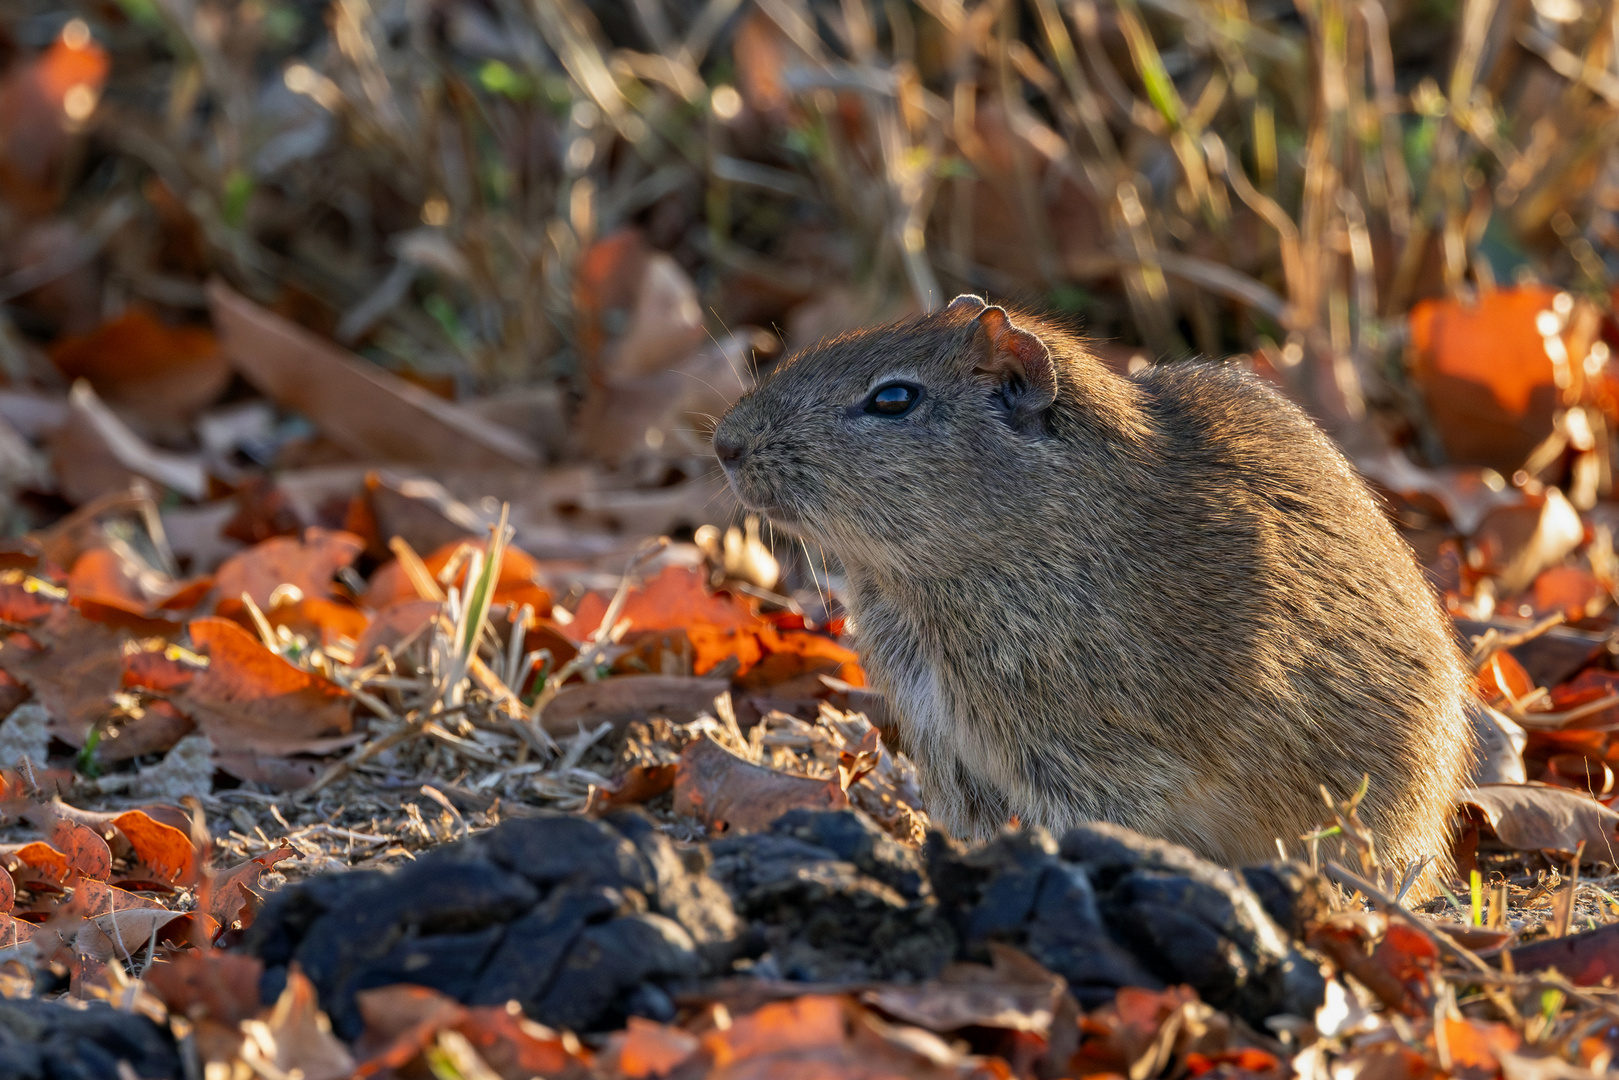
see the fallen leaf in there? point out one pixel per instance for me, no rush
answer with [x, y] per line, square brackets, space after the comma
[647, 1049]
[307, 564]
[97, 898]
[14, 931]
[518, 584]
[36, 861]
[807, 1023]
[249, 698]
[220, 985]
[87, 853]
[96, 453]
[1016, 994]
[642, 783]
[719, 625]
[1487, 380]
[392, 626]
[324, 622]
[518, 1048]
[1571, 591]
[121, 934]
[727, 793]
[629, 697]
[368, 411]
[226, 896]
[296, 1036]
[402, 1021]
[73, 670]
[1536, 817]
[1476, 1047]
[1516, 543]
[162, 375]
[165, 850]
[1589, 958]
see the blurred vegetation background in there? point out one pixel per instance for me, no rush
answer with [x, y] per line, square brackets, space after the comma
[590, 219]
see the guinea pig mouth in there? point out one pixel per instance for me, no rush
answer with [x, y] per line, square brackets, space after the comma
[754, 501]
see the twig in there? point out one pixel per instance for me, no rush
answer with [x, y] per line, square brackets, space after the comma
[1342, 875]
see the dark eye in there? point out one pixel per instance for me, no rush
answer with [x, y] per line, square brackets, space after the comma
[894, 399]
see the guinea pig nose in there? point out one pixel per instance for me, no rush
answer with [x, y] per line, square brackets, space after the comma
[728, 449]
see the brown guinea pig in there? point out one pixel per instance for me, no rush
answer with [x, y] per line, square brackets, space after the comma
[1165, 601]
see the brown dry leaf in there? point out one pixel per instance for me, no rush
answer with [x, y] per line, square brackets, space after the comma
[401, 1021]
[325, 622]
[1466, 495]
[1017, 994]
[161, 375]
[307, 564]
[641, 783]
[811, 1022]
[630, 697]
[370, 412]
[296, 1035]
[215, 990]
[1487, 379]
[95, 453]
[14, 931]
[1538, 817]
[1571, 591]
[727, 793]
[94, 898]
[121, 934]
[1590, 958]
[1516, 543]
[249, 698]
[75, 671]
[393, 625]
[87, 853]
[226, 898]
[36, 861]
[8, 892]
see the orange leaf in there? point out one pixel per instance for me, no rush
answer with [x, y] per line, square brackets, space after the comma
[815, 1021]
[221, 986]
[649, 1049]
[324, 621]
[87, 853]
[1569, 590]
[38, 861]
[1502, 677]
[163, 848]
[1488, 381]
[162, 374]
[517, 585]
[719, 625]
[157, 665]
[249, 698]
[283, 560]
[514, 1045]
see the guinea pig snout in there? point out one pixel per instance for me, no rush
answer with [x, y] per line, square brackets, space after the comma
[729, 448]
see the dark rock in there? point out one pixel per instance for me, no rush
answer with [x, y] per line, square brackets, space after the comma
[585, 923]
[582, 922]
[47, 1040]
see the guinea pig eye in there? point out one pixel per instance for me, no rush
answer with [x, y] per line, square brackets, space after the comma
[893, 400]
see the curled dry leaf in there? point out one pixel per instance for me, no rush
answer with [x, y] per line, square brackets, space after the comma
[225, 896]
[249, 698]
[8, 892]
[36, 861]
[306, 564]
[94, 898]
[1536, 817]
[725, 792]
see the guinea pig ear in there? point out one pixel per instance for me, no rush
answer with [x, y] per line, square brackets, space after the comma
[966, 302]
[1018, 365]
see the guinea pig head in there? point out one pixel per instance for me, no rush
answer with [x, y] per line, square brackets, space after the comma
[877, 442]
